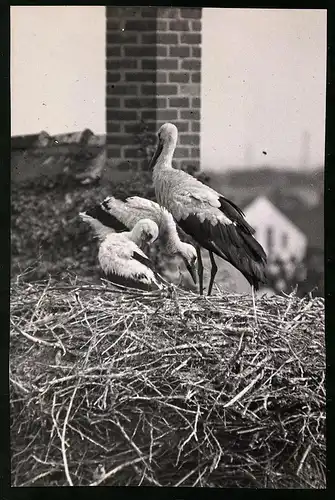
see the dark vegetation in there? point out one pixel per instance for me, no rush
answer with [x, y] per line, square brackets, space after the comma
[47, 234]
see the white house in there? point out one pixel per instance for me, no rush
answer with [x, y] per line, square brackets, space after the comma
[279, 237]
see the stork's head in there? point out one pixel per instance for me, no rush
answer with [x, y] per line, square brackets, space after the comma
[168, 132]
[145, 231]
[167, 140]
[189, 255]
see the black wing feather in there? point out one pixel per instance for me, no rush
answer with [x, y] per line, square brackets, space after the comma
[147, 262]
[143, 260]
[230, 206]
[254, 246]
[106, 218]
[130, 282]
[233, 243]
[235, 214]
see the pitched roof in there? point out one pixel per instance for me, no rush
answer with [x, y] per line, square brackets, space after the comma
[73, 137]
[21, 142]
[81, 153]
[29, 141]
[309, 221]
[264, 209]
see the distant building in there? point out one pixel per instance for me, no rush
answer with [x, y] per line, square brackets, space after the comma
[281, 239]
[73, 137]
[82, 154]
[97, 140]
[24, 142]
[310, 222]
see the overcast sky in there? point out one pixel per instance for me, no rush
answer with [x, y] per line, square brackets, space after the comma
[263, 85]
[263, 80]
[58, 69]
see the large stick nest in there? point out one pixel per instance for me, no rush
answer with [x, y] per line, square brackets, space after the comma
[165, 388]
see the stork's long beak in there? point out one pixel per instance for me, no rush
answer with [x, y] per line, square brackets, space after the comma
[192, 270]
[156, 155]
[147, 240]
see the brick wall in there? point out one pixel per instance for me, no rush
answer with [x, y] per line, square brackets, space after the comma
[153, 73]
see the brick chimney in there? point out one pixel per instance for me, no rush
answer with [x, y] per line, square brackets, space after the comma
[153, 63]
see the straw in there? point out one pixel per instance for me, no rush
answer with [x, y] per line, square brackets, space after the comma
[165, 388]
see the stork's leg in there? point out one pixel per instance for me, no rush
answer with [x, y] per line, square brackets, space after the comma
[254, 304]
[200, 271]
[214, 270]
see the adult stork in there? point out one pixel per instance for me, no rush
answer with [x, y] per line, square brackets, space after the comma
[213, 221]
[120, 257]
[123, 215]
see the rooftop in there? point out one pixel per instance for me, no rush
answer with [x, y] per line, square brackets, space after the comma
[309, 221]
[41, 154]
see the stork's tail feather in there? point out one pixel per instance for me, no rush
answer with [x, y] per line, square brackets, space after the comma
[258, 275]
[254, 247]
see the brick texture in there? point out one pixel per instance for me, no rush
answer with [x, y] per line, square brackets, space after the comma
[153, 75]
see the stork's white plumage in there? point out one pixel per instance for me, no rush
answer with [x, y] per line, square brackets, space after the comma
[214, 222]
[123, 215]
[120, 257]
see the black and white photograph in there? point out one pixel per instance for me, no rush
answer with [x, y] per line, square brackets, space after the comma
[167, 304]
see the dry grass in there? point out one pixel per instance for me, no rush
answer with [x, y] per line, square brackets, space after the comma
[165, 388]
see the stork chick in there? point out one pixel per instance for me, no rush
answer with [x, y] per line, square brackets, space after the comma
[120, 257]
[122, 215]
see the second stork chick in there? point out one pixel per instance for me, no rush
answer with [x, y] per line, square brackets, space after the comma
[122, 215]
[120, 257]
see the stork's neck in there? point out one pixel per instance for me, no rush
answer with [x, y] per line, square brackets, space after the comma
[135, 235]
[164, 160]
[170, 233]
[101, 231]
